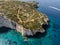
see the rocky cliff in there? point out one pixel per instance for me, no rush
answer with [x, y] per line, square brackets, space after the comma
[23, 17]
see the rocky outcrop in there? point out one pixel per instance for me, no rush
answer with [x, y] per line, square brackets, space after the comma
[6, 22]
[13, 25]
[33, 3]
[19, 28]
[22, 17]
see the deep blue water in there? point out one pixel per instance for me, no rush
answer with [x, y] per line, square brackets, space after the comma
[52, 36]
[54, 16]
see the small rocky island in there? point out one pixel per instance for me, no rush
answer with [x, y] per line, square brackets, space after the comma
[23, 17]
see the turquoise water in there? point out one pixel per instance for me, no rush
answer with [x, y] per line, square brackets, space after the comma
[51, 36]
[54, 16]
[12, 38]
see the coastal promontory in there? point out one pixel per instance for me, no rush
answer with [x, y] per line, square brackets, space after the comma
[23, 17]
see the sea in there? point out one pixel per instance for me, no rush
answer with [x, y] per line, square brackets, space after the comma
[51, 8]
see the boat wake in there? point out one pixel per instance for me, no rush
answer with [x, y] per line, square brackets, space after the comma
[54, 8]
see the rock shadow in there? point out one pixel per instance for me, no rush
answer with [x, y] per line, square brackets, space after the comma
[4, 29]
[40, 35]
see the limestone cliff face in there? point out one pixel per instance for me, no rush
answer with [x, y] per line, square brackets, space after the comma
[6, 22]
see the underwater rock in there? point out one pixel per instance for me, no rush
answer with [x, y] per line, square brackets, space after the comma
[54, 30]
[15, 42]
[56, 26]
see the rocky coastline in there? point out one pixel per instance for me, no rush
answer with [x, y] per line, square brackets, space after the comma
[8, 22]
[5, 22]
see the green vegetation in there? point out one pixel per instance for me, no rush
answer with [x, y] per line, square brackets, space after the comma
[23, 13]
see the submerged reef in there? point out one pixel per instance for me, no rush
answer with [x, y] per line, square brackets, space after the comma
[23, 17]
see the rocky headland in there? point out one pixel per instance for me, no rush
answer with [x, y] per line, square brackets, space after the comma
[23, 17]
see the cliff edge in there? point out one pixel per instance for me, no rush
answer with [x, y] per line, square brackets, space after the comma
[23, 17]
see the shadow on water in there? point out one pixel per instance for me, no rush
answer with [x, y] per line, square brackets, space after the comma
[4, 29]
[40, 35]
[37, 35]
